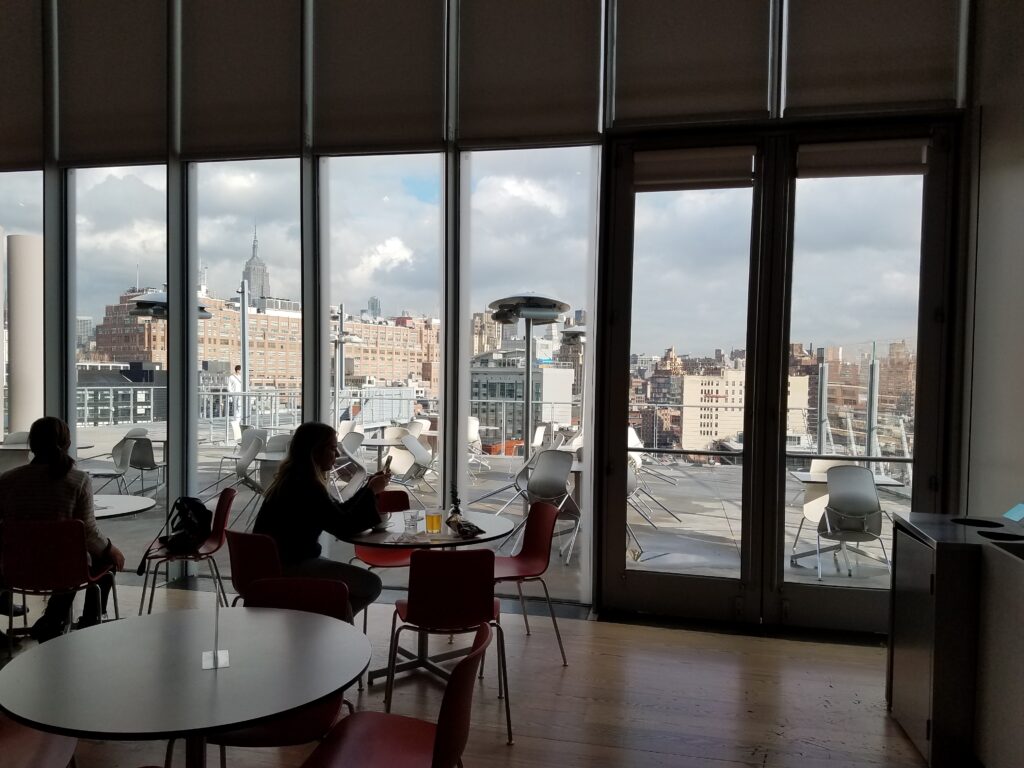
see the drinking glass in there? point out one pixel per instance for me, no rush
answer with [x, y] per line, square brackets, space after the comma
[433, 521]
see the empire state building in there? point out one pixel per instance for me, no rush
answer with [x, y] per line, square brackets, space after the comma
[255, 272]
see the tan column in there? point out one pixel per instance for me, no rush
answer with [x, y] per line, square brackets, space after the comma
[25, 313]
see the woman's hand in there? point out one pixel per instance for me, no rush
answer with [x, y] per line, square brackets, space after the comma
[117, 556]
[379, 481]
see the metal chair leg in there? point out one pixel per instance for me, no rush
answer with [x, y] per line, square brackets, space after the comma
[554, 622]
[522, 604]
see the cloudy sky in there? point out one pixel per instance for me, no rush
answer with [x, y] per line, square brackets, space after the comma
[529, 226]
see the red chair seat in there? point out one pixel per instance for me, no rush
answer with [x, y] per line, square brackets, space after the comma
[376, 739]
[520, 567]
[402, 609]
[383, 557]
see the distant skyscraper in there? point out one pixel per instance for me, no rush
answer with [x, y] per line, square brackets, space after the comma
[255, 272]
[373, 307]
[83, 331]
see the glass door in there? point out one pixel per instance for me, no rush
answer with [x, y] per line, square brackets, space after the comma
[684, 528]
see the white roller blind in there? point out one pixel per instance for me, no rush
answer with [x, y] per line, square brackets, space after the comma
[529, 68]
[677, 61]
[862, 158]
[870, 53]
[379, 73]
[241, 76]
[113, 78]
[703, 168]
[21, 84]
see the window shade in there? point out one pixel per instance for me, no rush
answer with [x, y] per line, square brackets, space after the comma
[21, 85]
[870, 53]
[529, 68]
[704, 168]
[113, 80]
[241, 77]
[379, 73]
[862, 158]
[677, 61]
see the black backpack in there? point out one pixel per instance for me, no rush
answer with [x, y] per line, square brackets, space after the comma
[190, 525]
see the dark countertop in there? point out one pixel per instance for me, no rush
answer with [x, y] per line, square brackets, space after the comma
[942, 531]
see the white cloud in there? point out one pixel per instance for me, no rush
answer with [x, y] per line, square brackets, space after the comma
[497, 195]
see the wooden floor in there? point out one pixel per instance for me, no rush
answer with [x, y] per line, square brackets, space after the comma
[631, 696]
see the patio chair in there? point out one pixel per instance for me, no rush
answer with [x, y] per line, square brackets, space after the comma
[853, 514]
[409, 465]
[245, 438]
[253, 556]
[476, 450]
[633, 441]
[430, 609]
[532, 561]
[9, 459]
[158, 554]
[415, 427]
[815, 499]
[379, 740]
[121, 454]
[46, 557]
[16, 438]
[143, 459]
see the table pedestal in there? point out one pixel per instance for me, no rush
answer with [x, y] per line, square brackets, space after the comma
[421, 659]
[195, 752]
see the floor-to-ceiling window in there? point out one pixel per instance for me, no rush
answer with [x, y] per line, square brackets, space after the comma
[21, 213]
[120, 258]
[384, 225]
[250, 328]
[528, 235]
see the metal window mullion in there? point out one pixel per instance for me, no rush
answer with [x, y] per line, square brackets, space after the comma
[316, 283]
[453, 463]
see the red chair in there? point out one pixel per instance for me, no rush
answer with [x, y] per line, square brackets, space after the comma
[532, 560]
[372, 739]
[450, 592]
[24, 747]
[308, 724]
[385, 557]
[42, 557]
[157, 554]
[253, 556]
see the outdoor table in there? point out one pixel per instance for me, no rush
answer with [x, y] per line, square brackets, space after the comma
[394, 535]
[380, 443]
[109, 505]
[813, 478]
[142, 678]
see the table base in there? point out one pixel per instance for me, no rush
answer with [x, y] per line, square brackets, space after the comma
[420, 659]
[834, 549]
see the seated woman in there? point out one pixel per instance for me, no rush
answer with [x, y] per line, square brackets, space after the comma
[50, 488]
[297, 508]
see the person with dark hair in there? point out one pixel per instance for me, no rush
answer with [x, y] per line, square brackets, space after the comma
[297, 508]
[50, 488]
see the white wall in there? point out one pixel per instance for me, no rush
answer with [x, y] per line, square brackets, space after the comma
[995, 404]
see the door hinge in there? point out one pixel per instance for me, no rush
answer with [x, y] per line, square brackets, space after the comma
[928, 729]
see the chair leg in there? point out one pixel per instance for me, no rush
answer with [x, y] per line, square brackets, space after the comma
[799, 528]
[522, 604]
[817, 550]
[884, 554]
[223, 756]
[145, 583]
[554, 622]
[113, 593]
[169, 757]
[389, 681]
[152, 589]
[503, 679]
[846, 559]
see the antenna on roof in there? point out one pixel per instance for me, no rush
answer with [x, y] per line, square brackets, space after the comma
[255, 242]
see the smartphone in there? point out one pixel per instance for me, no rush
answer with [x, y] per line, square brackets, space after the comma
[387, 464]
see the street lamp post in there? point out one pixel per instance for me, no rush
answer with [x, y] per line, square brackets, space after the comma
[339, 361]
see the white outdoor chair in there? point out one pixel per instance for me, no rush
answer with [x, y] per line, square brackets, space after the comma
[815, 499]
[548, 482]
[355, 482]
[243, 477]
[853, 514]
[345, 426]
[121, 454]
[409, 464]
[11, 459]
[347, 465]
[245, 438]
[415, 428]
[633, 441]
[476, 450]
[16, 438]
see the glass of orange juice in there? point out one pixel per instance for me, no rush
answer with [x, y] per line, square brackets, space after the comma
[433, 521]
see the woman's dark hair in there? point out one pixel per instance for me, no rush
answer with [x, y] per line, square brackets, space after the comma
[300, 464]
[49, 439]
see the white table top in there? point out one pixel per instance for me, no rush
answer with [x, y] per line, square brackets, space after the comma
[108, 505]
[271, 455]
[812, 478]
[154, 687]
[382, 442]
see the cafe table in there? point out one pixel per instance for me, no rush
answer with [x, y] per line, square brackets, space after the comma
[143, 678]
[380, 443]
[394, 534]
[109, 505]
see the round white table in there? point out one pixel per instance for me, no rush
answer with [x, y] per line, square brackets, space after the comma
[153, 685]
[380, 443]
[108, 505]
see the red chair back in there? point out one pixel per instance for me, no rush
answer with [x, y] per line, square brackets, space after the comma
[451, 589]
[44, 555]
[387, 557]
[453, 720]
[253, 556]
[299, 593]
[24, 747]
[536, 549]
[220, 521]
